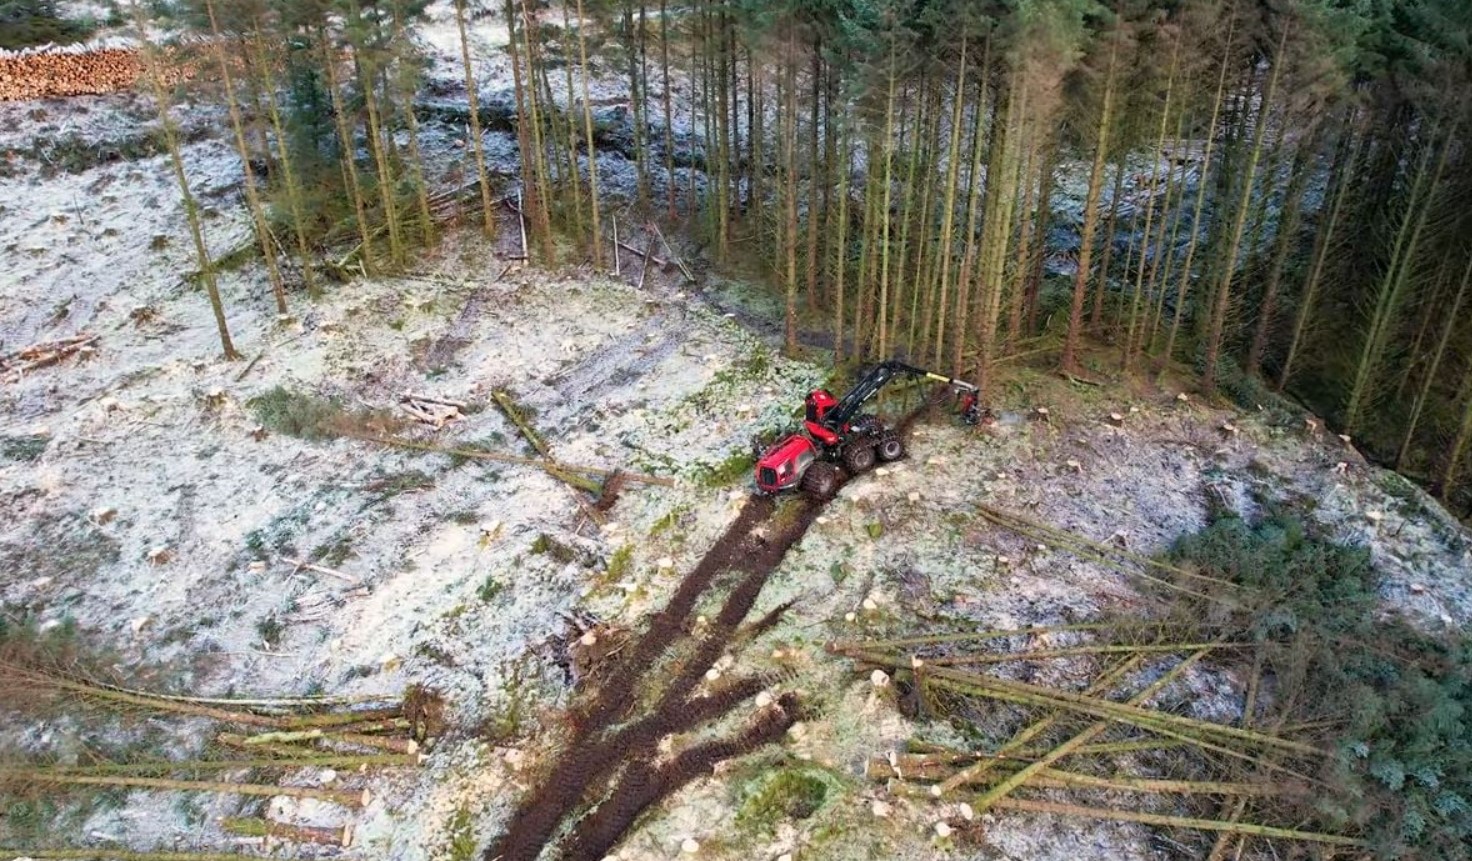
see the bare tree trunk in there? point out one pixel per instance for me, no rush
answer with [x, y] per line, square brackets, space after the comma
[1284, 243]
[1223, 300]
[588, 134]
[1185, 283]
[1459, 445]
[1101, 288]
[477, 145]
[1001, 199]
[349, 154]
[380, 157]
[416, 157]
[1045, 216]
[1128, 350]
[191, 206]
[840, 246]
[1452, 319]
[541, 212]
[1091, 215]
[885, 210]
[252, 198]
[948, 210]
[1388, 301]
[1021, 267]
[288, 171]
[810, 256]
[669, 132]
[788, 107]
[1324, 244]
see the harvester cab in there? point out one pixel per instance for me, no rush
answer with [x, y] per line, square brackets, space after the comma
[837, 435]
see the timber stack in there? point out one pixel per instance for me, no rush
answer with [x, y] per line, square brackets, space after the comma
[57, 73]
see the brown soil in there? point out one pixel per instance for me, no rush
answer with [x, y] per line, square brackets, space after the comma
[611, 770]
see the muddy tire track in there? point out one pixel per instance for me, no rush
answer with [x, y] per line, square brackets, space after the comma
[614, 365]
[611, 770]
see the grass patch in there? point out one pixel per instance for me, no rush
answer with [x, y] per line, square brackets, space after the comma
[314, 417]
[388, 485]
[619, 562]
[514, 712]
[667, 522]
[558, 550]
[793, 792]
[334, 552]
[65, 546]
[23, 449]
[737, 466]
[460, 845]
[489, 589]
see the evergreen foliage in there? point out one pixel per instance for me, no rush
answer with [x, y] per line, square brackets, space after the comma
[1276, 189]
[1396, 699]
[26, 23]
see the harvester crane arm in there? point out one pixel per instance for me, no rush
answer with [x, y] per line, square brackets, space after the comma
[877, 378]
[834, 435]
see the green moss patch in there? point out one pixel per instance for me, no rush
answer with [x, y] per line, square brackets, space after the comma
[792, 792]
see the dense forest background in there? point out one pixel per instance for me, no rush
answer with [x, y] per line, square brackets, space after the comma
[1272, 192]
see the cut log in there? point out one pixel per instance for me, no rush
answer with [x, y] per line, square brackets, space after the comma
[345, 797]
[501, 457]
[302, 564]
[509, 409]
[341, 835]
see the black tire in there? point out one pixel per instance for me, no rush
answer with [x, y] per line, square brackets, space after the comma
[890, 447]
[820, 481]
[859, 458]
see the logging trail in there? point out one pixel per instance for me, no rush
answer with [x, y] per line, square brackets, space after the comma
[612, 767]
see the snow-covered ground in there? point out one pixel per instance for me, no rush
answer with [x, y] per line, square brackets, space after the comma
[191, 568]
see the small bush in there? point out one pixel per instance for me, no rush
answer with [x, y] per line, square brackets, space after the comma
[24, 23]
[314, 417]
[619, 562]
[270, 630]
[23, 448]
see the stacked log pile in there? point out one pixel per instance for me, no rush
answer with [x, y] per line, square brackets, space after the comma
[56, 73]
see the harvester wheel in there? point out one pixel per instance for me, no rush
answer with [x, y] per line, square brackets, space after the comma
[858, 458]
[890, 447]
[820, 481]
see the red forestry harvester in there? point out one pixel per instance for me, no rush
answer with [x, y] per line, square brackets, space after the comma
[835, 434]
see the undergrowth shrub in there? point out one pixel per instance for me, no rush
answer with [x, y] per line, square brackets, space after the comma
[315, 417]
[1396, 701]
[24, 23]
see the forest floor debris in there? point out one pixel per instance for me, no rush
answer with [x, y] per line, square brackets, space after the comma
[469, 569]
[37, 356]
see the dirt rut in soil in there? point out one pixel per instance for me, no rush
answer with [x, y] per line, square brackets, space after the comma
[611, 769]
